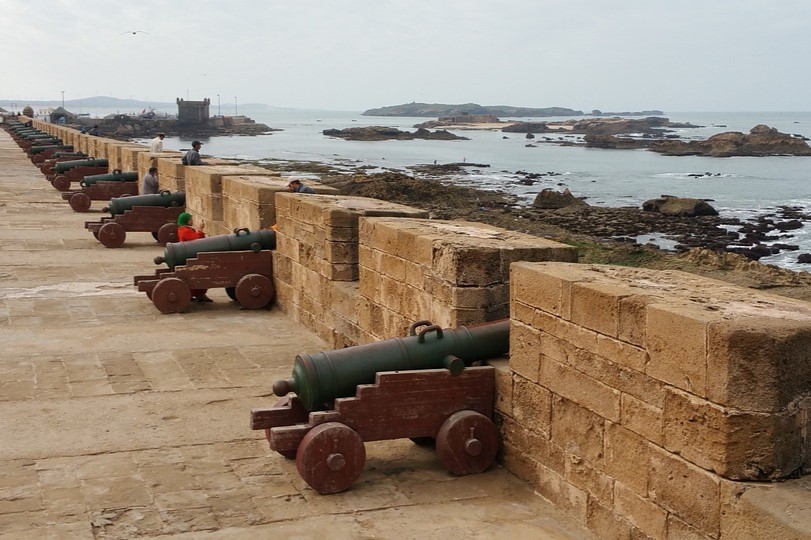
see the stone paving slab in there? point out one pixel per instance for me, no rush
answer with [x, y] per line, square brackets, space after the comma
[121, 422]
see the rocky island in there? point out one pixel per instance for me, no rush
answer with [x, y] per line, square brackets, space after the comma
[441, 110]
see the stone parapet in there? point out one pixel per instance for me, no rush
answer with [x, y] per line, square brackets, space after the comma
[450, 272]
[636, 395]
[203, 186]
[316, 260]
[172, 173]
[148, 159]
[249, 201]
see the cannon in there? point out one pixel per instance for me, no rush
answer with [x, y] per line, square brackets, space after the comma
[39, 154]
[68, 165]
[320, 378]
[394, 397]
[165, 199]
[81, 200]
[115, 176]
[47, 166]
[156, 214]
[241, 240]
[240, 262]
[74, 171]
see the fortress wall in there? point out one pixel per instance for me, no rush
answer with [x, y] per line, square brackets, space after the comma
[452, 273]
[129, 157]
[148, 159]
[316, 260]
[640, 400]
[117, 158]
[204, 188]
[249, 201]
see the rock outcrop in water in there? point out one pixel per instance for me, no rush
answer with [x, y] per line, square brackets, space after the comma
[761, 141]
[599, 126]
[679, 206]
[380, 133]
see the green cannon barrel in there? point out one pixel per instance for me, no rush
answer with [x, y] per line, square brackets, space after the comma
[119, 205]
[177, 253]
[42, 148]
[107, 177]
[324, 376]
[68, 165]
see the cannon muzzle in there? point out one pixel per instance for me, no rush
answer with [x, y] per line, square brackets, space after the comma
[320, 378]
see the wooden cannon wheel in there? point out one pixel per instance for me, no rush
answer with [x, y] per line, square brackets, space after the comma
[467, 443]
[254, 291]
[112, 235]
[171, 295]
[61, 183]
[80, 202]
[167, 233]
[330, 457]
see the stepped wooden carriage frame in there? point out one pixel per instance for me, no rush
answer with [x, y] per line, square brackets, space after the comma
[158, 220]
[454, 411]
[247, 277]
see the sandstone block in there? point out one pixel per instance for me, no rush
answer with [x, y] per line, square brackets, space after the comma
[596, 306]
[534, 444]
[532, 405]
[632, 319]
[622, 353]
[762, 363]
[525, 352]
[676, 339]
[583, 475]
[343, 299]
[640, 511]
[548, 290]
[577, 430]
[627, 458]
[605, 522]
[575, 335]
[642, 418]
[693, 494]
[554, 488]
[504, 385]
[735, 444]
[580, 388]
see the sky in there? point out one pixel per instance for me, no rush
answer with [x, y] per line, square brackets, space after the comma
[352, 55]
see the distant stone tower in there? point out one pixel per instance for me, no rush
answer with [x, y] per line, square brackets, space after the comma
[193, 112]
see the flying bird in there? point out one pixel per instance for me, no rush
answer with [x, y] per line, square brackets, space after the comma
[133, 32]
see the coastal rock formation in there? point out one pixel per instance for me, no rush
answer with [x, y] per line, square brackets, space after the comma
[381, 133]
[549, 199]
[762, 140]
[679, 206]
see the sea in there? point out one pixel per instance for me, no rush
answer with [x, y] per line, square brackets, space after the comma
[738, 187]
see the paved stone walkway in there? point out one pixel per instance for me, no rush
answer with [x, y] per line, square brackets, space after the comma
[120, 422]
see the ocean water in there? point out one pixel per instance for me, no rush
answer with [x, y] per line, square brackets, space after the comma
[740, 187]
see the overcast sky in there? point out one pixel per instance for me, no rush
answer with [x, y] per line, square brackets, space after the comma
[613, 55]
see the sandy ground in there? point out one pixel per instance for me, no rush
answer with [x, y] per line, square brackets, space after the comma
[120, 422]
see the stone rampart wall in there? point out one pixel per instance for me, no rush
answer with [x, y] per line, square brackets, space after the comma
[637, 399]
